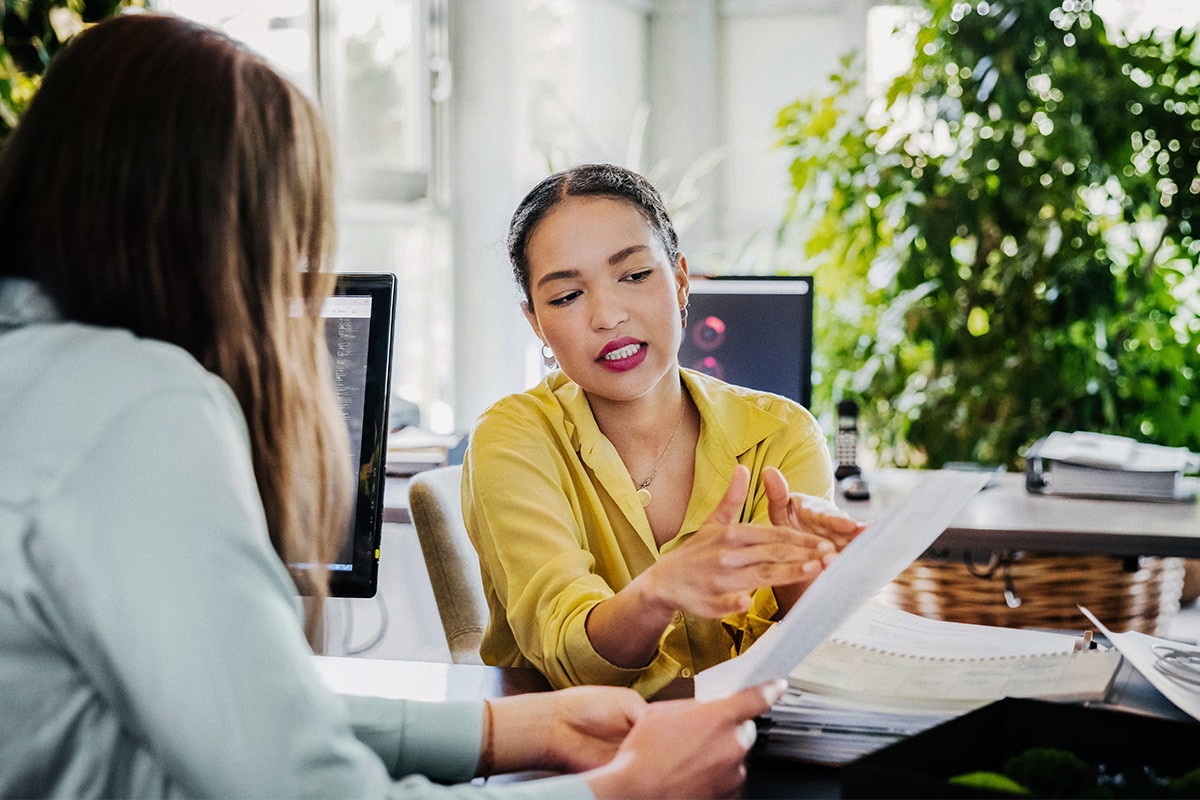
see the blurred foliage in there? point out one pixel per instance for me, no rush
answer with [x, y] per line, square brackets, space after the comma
[1005, 245]
[31, 31]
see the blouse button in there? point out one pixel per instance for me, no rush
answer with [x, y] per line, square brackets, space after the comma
[678, 618]
[685, 673]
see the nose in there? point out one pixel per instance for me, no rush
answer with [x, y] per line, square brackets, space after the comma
[606, 311]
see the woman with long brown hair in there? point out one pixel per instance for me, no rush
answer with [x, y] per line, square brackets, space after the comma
[169, 442]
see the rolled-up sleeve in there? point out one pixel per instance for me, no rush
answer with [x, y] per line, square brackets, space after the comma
[528, 515]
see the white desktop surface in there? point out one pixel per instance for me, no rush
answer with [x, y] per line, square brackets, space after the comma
[1007, 517]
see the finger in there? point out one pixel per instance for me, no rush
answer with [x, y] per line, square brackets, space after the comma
[754, 700]
[817, 511]
[778, 495]
[792, 540]
[730, 507]
[746, 733]
[794, 550]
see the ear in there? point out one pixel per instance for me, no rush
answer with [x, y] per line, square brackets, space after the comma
[682, 282]
[532, 319]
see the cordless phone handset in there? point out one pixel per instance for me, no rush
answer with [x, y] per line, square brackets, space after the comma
[846, 443]
[848, 473]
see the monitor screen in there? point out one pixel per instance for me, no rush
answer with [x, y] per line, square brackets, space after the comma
[755, 332]
[358, 329]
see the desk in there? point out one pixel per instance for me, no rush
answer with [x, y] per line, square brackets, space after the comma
[1007, 517]
[425, 680]
[766, 777]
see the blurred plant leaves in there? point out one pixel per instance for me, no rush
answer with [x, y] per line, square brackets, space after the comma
[1005, 244]
[31, 32]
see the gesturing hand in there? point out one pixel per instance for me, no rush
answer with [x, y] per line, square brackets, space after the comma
[714, 573]
[808, 515]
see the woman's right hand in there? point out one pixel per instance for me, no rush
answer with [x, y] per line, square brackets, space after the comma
[717, 570]
[686, 749]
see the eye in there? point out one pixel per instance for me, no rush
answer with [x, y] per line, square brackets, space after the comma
[564, 300]
[639, 276]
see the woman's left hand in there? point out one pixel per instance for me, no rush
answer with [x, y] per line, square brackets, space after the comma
[590, 725]
[806, 514]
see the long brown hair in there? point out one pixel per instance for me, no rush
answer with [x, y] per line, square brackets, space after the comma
[167, 181]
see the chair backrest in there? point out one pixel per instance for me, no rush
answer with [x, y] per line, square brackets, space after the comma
[436, 507]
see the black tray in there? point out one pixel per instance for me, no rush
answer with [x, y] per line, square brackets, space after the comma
[983, 739]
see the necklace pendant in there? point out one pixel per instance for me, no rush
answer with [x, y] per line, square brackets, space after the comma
[644, 497]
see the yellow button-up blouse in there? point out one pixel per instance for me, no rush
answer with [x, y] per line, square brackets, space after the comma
[558, 527]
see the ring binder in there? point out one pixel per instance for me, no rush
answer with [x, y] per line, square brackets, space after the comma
[1084, 464]
[951, 665]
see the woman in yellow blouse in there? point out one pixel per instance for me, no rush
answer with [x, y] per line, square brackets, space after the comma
[634, 520]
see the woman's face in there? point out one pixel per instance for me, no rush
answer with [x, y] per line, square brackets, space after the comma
[604, 296]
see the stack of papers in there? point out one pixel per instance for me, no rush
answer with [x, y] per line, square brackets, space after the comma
[411, 450]
[808, 727]
[886, 674]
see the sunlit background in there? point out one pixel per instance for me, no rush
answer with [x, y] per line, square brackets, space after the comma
[446, 111]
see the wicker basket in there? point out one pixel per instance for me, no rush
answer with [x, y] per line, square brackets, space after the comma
[1042, 590]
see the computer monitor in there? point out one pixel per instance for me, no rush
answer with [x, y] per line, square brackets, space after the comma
[359, 321]
[755, 332]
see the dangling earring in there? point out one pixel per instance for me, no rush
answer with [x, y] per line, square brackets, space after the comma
[683, 316]
[548, 357]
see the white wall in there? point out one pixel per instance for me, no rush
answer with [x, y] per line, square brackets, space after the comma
[772, 56]
[580, 73]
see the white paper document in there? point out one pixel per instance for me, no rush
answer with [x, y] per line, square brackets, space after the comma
[891, 659]
[875, 557]
[881, 627]
[1138, 649]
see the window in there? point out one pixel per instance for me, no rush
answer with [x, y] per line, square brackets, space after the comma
[379, 70]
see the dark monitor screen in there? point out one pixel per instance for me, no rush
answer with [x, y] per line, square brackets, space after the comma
[755, 332]
[359, 329]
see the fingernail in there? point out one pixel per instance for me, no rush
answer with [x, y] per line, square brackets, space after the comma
[746, 733]
[773, 691]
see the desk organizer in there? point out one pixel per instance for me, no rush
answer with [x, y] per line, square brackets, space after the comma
[1130, 744]
[1042, 590]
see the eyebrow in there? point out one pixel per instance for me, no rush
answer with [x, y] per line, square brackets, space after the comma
[613, 260]
[621, 255]
[560, 275]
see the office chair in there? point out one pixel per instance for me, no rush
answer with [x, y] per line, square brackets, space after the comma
[434, 501]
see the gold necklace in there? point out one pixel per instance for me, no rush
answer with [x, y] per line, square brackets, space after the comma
[643, 489]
